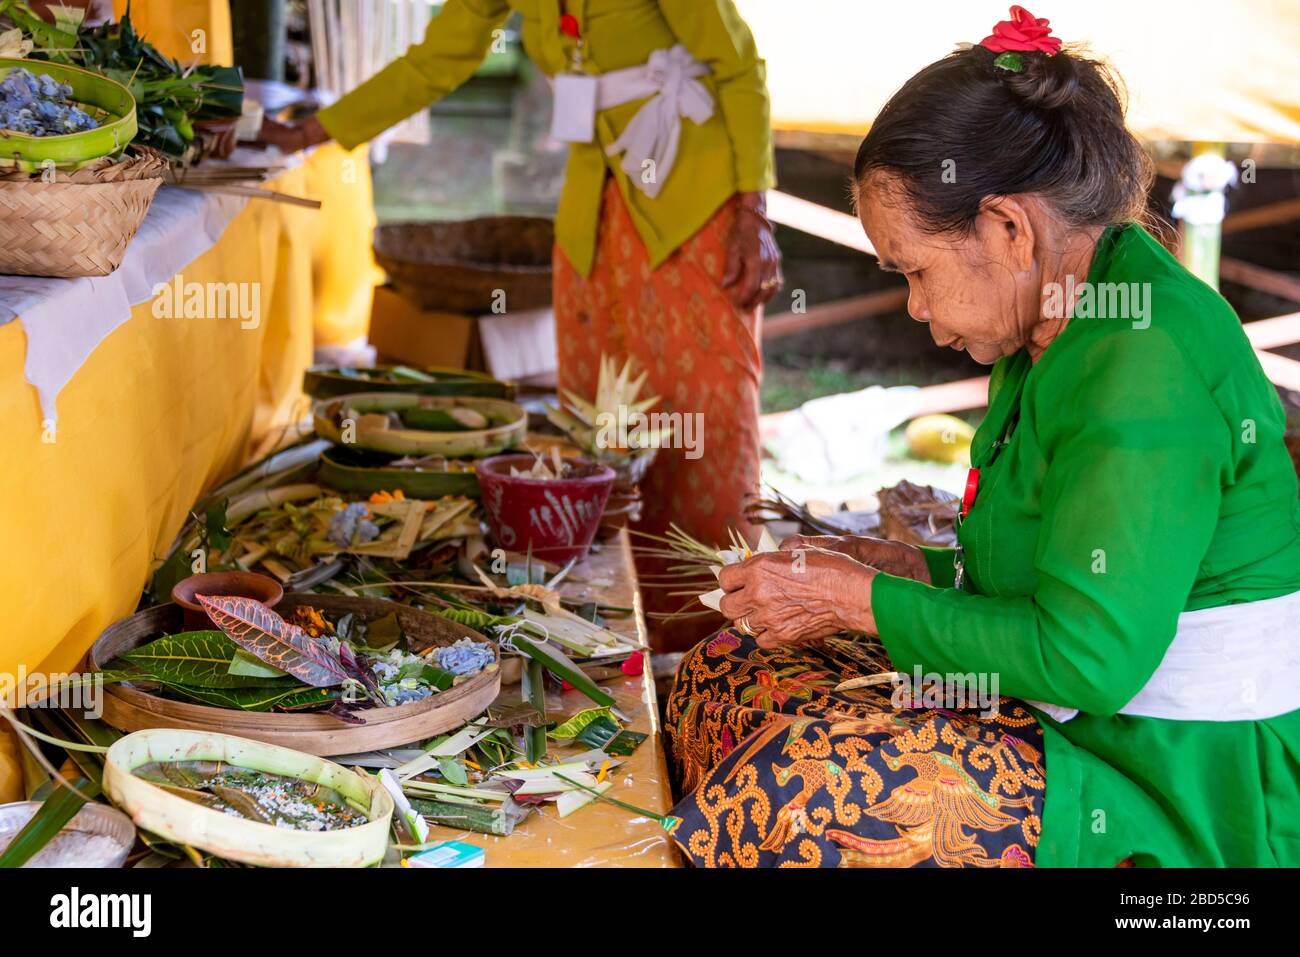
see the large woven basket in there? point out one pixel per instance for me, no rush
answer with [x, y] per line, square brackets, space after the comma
[460, 266]
[79, 223]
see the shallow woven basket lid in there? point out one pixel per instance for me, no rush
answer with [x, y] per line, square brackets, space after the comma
[460, 265]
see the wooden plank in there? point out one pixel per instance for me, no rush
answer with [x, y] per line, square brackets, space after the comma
[817, 220]
[1274, 333]
[956, 396]
[1281, 370]
[834, 313]
[1269, 215]
[1271, 281]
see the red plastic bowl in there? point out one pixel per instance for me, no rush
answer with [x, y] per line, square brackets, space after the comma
[556, 519]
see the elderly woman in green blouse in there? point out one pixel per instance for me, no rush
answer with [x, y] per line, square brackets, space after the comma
[1129, 557]
[664, 253]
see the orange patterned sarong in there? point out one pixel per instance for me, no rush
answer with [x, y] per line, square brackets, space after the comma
[702, 354]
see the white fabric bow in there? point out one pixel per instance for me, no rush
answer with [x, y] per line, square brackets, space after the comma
[669, 77]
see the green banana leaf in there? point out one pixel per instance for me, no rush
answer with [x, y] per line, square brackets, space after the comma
[442, 420]
[327, 382]
[561, 665]
[534, 691]
[257, 699]
[354, 470]
[574, 726]
[199, 659]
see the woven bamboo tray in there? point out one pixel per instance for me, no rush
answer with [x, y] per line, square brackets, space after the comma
[459, 266]
[328, 382]
[78, 224]
[508, 425]
[135, 709]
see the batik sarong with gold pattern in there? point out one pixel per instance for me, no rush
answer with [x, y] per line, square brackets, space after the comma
[781, 770]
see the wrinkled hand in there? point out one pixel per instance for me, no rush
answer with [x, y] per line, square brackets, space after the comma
[788, 598]
[892, 558]
[753, 273]
[292, 137]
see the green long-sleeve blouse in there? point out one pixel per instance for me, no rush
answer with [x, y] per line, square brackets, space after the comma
[1136, 471]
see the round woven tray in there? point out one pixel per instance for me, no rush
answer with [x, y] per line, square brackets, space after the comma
[459, 266]
[134, 709]
[76, 223]
[508, 425]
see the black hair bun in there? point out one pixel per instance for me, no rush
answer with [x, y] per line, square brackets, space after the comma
[1047, 82]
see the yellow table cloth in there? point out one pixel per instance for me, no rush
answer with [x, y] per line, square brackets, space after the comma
[186, 30]
[163, 409]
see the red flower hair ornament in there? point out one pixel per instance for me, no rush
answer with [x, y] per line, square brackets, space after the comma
[1023, 33]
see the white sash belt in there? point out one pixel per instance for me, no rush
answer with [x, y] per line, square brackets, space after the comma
[1232, 663]
[669, 77]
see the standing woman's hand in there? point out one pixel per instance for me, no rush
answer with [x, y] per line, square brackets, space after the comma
[753, 273]
[294, 136]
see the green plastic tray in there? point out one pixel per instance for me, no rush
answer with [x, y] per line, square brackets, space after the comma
[107, 100]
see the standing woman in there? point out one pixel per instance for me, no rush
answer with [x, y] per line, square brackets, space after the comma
[663, 249]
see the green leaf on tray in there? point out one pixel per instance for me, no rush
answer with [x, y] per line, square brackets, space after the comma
[558, 663]
[475, 618]
[498, 819]
[534, 691]
[256, 699]
[245, 665]
[197, 659]
[436, 678]
[444, 420]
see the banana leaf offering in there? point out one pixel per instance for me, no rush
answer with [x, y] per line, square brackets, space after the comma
[406, 423]
[307, 537]
[328, 382]
[253, 795]
[416, 476]
[325, 815]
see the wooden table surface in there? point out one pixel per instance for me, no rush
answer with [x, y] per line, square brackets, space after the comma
[600, 834]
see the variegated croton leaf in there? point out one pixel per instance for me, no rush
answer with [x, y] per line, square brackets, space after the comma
[265, 635]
